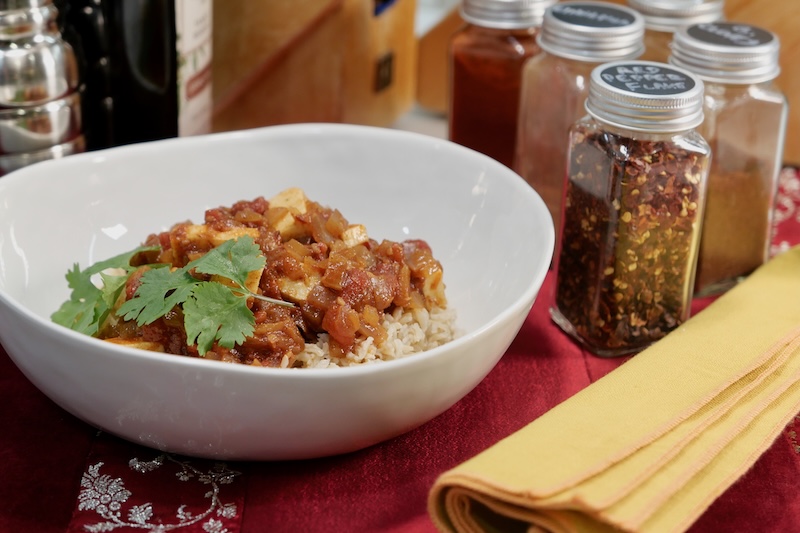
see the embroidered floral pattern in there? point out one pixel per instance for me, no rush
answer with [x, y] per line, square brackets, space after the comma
[107, 496]
[788, 200]
[787, 208]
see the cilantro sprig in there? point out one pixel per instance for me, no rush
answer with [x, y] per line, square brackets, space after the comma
[89, 305]
[213, 311]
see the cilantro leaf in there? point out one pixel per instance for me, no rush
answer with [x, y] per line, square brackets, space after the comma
[122, 261]
[214, 312]
[233, 260]
[112, 286]
[161, 289]
[77, 315]
[88, 305]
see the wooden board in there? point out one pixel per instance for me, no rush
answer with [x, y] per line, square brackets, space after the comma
[265, 74]
[285, 61]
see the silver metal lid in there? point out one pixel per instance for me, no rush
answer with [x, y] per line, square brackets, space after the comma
[592, 31]
[505, 14]
[727, 52]
[670, 15]
[645, 96]
[19, 23]
[11, 5]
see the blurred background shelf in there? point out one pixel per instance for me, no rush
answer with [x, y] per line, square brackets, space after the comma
[384, 62]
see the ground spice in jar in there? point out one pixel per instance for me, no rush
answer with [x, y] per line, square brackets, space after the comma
[734, 243]
[632, 216]
[745, 124]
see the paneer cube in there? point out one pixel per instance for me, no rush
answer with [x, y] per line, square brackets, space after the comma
[355, 234]
[218, 237]
[293, 199]
[297, 290]
[283, 207]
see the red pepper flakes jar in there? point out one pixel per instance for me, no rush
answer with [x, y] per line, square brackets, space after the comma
[745, 124]
[486, 57]
[575, 37]
[633, 208]
[662, 18]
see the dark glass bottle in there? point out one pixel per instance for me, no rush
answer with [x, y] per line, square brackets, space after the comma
[146, 67]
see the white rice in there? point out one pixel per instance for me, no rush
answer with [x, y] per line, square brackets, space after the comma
[408, 332]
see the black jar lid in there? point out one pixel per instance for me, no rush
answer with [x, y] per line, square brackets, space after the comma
[727, 52]
[592, 31]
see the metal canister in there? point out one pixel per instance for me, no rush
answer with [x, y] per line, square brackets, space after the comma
[40, 98]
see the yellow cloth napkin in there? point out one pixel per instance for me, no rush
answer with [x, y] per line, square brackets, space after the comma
[652, 444]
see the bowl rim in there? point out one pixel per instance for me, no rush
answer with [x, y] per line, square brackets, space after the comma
[523, 300]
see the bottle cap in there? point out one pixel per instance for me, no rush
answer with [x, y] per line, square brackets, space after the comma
[19, 23]
[592, 31]
[727, 52]
[12, 5]
[645, 96]
[505, 14]
[670, 15]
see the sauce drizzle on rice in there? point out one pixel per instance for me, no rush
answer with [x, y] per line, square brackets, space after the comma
[355, 300]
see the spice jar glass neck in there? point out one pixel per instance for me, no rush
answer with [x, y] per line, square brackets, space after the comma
[505, 14]
[500, 32]
[712, 87]
[644, 136]
[573, 66]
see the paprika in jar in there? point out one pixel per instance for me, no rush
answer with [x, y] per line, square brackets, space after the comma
[575, 37]
[745, 124]
[486, 57]
[662, 18]
[633, 208]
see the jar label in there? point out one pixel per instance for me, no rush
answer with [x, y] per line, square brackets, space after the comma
[193, 27]
[647, 78]
[592, 15]
[381, 5]
[384, 67]
[730, 34]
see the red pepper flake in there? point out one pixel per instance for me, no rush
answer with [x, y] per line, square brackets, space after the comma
[630, 238]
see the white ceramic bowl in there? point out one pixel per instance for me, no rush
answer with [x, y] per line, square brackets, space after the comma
[490, 230]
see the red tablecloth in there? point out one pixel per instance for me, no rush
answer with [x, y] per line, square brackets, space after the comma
[58, 474]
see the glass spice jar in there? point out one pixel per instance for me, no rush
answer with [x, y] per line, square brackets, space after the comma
[633, 208]
[662, 18]
[575, 37]
[745, 124]
[486, 57]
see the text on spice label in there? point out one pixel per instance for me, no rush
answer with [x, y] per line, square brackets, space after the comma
[592, 15]
[647, 79]
[730, 34]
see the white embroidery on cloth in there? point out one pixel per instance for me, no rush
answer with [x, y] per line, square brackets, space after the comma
[787, 204]
[106, 496]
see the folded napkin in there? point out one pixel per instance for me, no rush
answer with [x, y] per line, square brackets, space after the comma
[649, 446]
